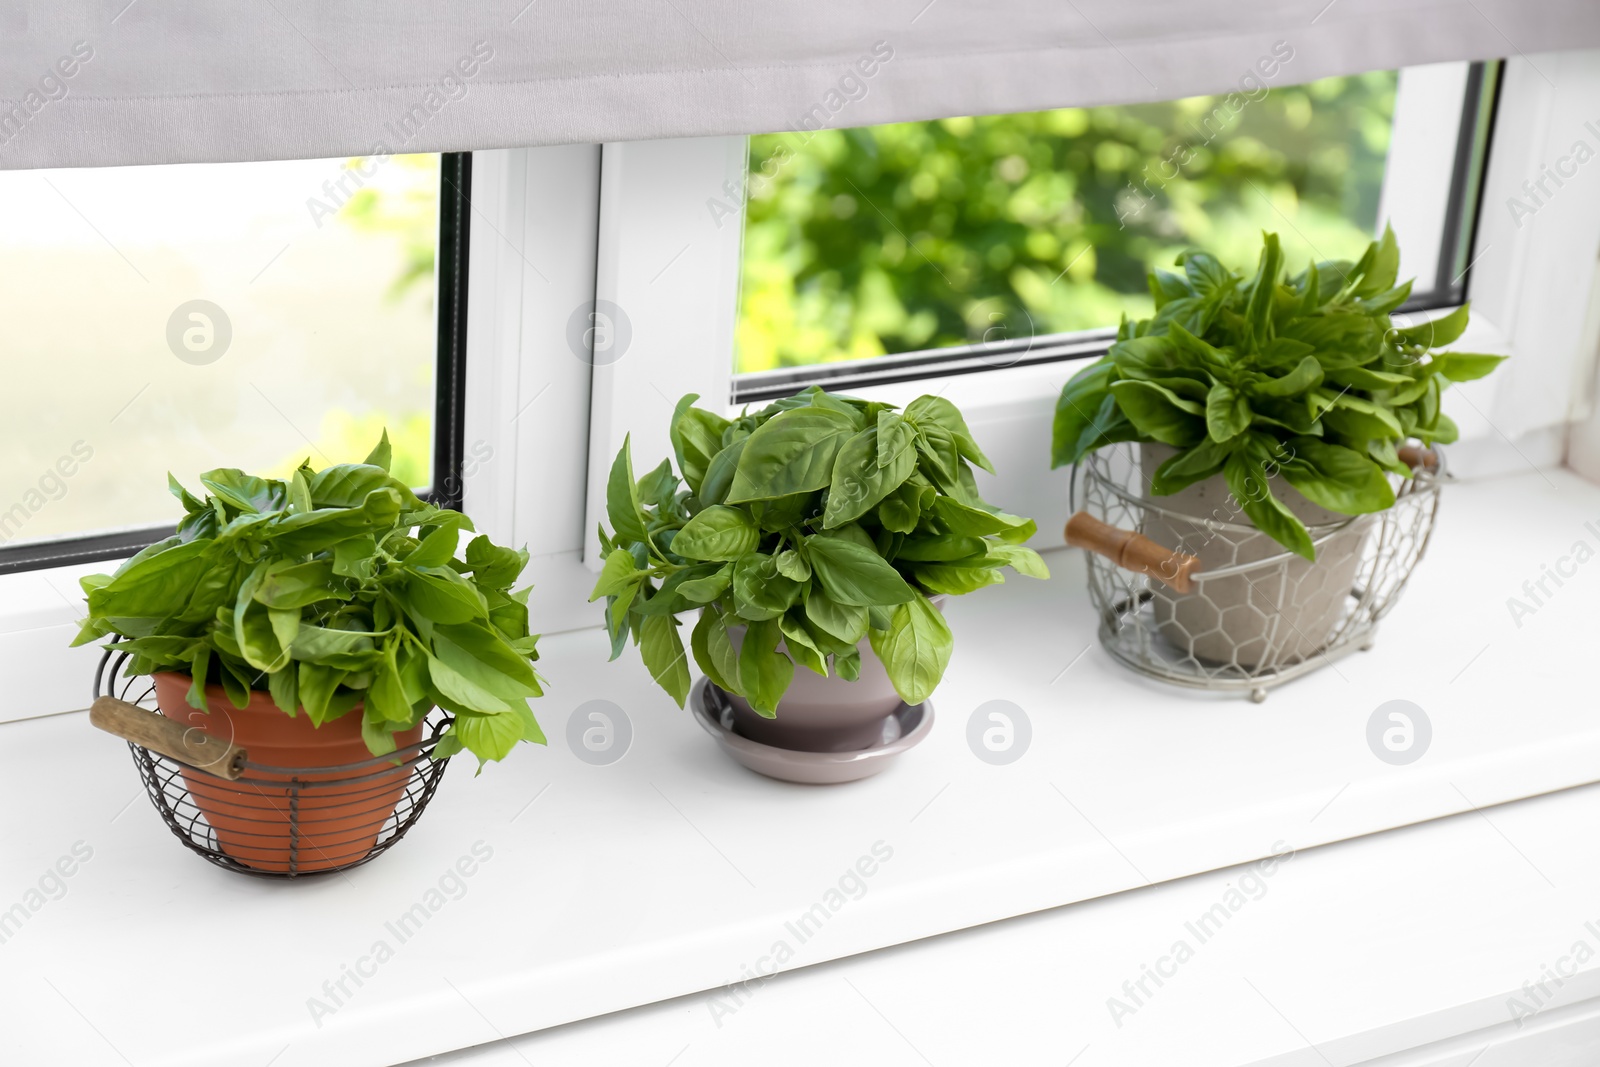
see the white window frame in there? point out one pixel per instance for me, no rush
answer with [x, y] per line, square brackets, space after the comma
[655, 228]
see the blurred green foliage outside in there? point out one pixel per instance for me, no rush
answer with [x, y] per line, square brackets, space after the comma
[882, 239]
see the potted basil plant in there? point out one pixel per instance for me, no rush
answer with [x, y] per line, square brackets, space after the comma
[1277, 403]
[819, 533]
[315, 621]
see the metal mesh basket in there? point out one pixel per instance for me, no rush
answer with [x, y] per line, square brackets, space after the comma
[1190, 592]
[260, 819]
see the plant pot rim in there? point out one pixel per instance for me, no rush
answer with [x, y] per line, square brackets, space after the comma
[261, 702]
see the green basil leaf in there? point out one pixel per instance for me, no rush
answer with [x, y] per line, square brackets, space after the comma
[1361, 419]
[696, 438]
[847, 664]
[720, 473]
[963, 519]
[492, 565]
[940, 548]
[802, 648]
[670, 598]
[157, 583]
[346, 485]
[1263, 287]
[295, 585]
[896, 437]
[316, 686]
[237, 680]
[1339, 339]
[244, 491]
[937, 411]
[793, 565]
[719, 533]
[1444, 432]
[658, 488]
[845, 622]
[859, 481]
[480, 654]
[1383, 267]
[664, 657]
[1025, 561]
[791, 453]
[386, 696]
[320, 644]
[713, 651]
[956, 579]
[1227, 413]
[442, 595]
[853, 574]
[1206, 275]
[764, 672]
[616, 574]
[1367, 378]
[493, 736]
[1306, 375]
[304, 533]
[1464, 366]
[1186, 468]
[356, 557]
[284, 686]
[900, 511]
[622, 496]
[759, 591]
[1252, 491]
[1438, 332]
[939, 458]
[1160, 414]
[1336, 477]
[914, 649]
[703, 590]
[1080, 399]
[381, 455]
[199, 670]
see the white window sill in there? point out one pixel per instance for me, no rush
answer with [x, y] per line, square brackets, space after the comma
[1402, 949]
[668, 872]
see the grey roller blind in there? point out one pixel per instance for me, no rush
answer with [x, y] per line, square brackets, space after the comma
[165, 81]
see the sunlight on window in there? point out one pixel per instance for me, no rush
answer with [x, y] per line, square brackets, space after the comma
[189, 317]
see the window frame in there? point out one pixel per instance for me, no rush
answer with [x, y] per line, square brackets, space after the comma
[450, 319]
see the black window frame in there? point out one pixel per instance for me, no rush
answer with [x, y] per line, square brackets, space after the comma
[450, 270]
[1450, 286]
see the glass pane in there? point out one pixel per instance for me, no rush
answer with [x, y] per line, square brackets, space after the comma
[189, 317]
[895, 238]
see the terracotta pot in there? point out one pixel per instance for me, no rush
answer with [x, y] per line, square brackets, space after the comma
[820, 714]
[1271, 617]
[332, 825]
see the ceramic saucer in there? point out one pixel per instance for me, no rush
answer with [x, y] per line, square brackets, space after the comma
[904, 729]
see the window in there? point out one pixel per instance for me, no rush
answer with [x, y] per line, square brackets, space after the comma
[188, 317]
[993, 233]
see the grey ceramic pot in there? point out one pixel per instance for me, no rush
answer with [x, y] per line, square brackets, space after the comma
[1266, 617]
[820, 714]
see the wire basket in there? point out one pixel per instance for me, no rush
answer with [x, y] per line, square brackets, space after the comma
[1190, 592]
[260, 819]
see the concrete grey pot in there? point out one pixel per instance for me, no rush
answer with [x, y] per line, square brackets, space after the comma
[1265, 617]
[829, 714]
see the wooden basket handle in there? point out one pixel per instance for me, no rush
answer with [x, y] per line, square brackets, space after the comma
[169, 737]
[1133, 551]
[1418, 457]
